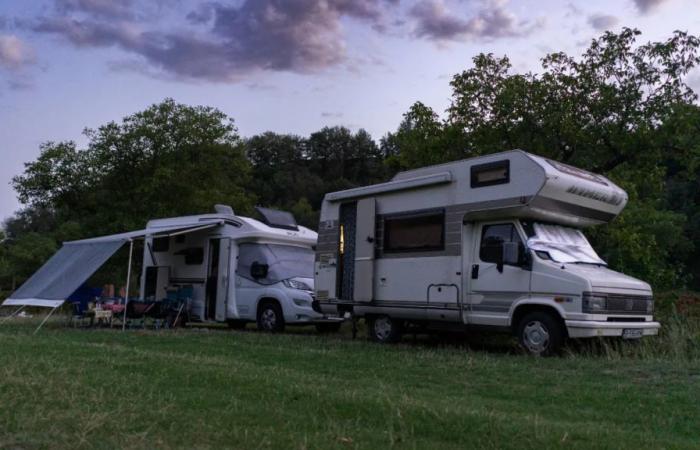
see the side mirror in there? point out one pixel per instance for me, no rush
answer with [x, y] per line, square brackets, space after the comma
[258, 270]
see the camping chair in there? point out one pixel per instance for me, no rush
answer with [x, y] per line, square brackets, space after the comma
[77, 314]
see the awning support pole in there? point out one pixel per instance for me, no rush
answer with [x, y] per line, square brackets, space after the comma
[45, 319]
[17, 311]
[128, 279]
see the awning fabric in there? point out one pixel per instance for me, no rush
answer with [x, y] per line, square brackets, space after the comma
[76, 261]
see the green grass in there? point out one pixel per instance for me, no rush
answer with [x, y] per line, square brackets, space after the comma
[67, 388]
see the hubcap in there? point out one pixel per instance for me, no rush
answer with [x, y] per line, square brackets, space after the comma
[382, 328]
[536, 336]
[268, 319]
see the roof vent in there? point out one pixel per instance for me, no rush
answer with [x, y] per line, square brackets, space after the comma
[277, 219]
[224, 210]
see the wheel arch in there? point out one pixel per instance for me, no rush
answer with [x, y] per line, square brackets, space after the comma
[524, 308]
[266, 299]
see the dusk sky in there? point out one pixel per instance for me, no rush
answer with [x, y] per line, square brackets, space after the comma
[289, 66]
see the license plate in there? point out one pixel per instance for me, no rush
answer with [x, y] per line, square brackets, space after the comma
[632, 333]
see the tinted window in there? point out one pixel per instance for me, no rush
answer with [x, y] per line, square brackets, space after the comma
[420, 232]
[492, 239]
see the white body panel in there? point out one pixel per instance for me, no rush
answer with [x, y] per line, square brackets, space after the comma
[452, 282]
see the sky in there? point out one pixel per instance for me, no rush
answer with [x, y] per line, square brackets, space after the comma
[288, 66]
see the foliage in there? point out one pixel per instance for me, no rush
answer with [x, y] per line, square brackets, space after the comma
[294, 173]
[169, 159]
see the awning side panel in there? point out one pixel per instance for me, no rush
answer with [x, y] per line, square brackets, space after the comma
[70, 267]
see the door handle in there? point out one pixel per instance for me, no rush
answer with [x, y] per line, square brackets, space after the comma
[475, 271]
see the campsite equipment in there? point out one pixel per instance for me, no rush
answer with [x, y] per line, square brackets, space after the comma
[219, 267]
[492, 241]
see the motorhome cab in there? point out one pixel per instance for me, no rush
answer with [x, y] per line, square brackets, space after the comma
[238, 269]
[493, 241]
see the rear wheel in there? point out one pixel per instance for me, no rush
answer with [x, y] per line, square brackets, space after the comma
[384, 329]
[270, 317]
[540, 334]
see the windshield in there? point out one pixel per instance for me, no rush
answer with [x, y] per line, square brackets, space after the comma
[284, 261]
[563, 244]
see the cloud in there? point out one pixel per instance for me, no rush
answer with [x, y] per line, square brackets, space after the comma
[434, 21]
[107, 9]
[331, 115]
[646, 6]
[279, 35]
[602, 22]
[14, 53]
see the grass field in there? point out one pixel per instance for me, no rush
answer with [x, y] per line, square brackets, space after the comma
[68, 388]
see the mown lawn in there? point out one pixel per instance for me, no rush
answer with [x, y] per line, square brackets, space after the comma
[67, 388]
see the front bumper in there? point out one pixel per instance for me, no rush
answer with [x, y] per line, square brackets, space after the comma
[594, 328]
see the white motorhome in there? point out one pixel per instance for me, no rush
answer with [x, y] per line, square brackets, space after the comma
[239, 269]
[492, 241]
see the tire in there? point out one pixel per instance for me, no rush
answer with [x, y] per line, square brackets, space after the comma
[328, 327]
[540, 334]
[236, 324]
[270, 317]
[384, 329]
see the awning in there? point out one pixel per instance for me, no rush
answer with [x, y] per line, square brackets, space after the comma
[76, 261]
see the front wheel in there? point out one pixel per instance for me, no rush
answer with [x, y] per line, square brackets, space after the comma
[384, 329]
[270, 318]
[540, 334]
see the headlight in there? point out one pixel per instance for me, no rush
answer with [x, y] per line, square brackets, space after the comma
[593, 303]
[650, 306]
[296, 284]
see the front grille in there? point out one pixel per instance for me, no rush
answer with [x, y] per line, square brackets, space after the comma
[617, 303]
[627, 304]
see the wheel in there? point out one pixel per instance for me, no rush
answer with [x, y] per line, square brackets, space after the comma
[384, 329]
[236, 324]
[270, 317]
[328, 327]
[540, 334]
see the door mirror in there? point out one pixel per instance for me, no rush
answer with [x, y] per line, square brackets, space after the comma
[258, 270]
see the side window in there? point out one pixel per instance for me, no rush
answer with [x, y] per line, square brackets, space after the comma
[492, 239]
[415, 233]
[490, 174]
[194, 256]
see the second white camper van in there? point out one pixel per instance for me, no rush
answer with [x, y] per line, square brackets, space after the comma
[493, 241]
[236, 269]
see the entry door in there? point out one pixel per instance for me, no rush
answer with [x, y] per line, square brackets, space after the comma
[224, 293]
[492, 292]
[364, 251]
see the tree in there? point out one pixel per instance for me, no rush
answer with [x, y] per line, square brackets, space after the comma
[622, 109]
[170, 159]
